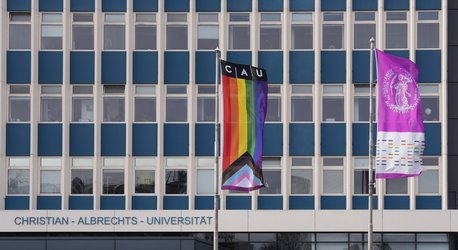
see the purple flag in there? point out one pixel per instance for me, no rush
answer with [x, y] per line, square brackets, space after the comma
[400, 131]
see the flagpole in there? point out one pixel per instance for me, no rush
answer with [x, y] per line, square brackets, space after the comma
[371, 117]
[217, 127]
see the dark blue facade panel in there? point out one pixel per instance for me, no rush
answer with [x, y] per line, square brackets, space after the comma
[19, 5]
[82, 5]
[205, 67]
[333, 69]
[364, 5]
[113, 139]
[144, 202]
[272, 61]
[396, 4]
[113, 67]
[176, 5]
[17, 139]
[51, 5]
[112, 202]
[428, 202]
[429, 62]
[301, 202]
[333, 139]
[337, 202]
[176, 67]
[333, 5]
[176, 139]
[270, 5]
[145, 6]
[145, 67]
[202, 202]
[432, 139]
[144, 139]
[428, 4]
[114, 5]
[273, 139]
[50, 67]
[49, 202]
[301, 67]
[18, 67]
[396, 202]
[176, 202]
[239, 5]
[361, 67]
[360, 139]
[81, 139]
[301, 139]
[362, 202]
[238, 202]
[302, 5]
[205, 139]
[50, 139]
[208, 5]
[81, 202]
[267, 202]
[240, 57]
[82, 68]
[400, 53]
[17, 202]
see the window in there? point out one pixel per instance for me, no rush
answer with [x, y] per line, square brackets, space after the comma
[333, 103]
[50, 171]
[177, 31]
[301, 31]
[333, 181]
[19, 103]
[82, 176]
[176, 175]
[361, 175]
[205, 103]
[114, 32]
[51, 104]
[176, 104]
[364, 29]
[83, 31]
[301, 175]
[301, 103]
[113, 103]
[20, 30]
[333, 31]
[145, 175]
[271, 170]
[239, 31]
[18, 175]
[428, 181]
[145, 31]
[396, 186]
[51, 31]
[270, 31]
[430, 102]
[113, 176]
[207, 31]
[428, 30]
[145, 103]
[83, 104]
[274, 104]
[205, 175]
[396, 30]
[361, 103]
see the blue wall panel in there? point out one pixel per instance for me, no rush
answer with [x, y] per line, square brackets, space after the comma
[113, 139]
[361, 67]
[401, 53]
[113, 67]
[428, 202]
[176, 68]
[145, 5]
[49, 139]
[333, 67]
[273, 139]
[333, 139]
[144, 139]
[429, 62]
[18, 139]
[333, 202]
[360, 139]
[301, 67]
[18, 67]
[266, 202]
[208, 5]
[144, 202]
[240, 57]
[205, 139]
[202, 202]
[361, 5]
[301, 202]
[81, 202]
[81, 139]
[145, 67]
[239, 5]
[51, 5]
[396, 202]
[301, 139]
[114, 5]
[432, 139]
[362, 202]
[19, 5]
[302, 5]
[396, 4]
[49, 202]
[82, 5]
[82, 68]
[176, 202]
[117, 202]
[176, 139]
[176, 5]
[234, 202]
[50, 67]
[428, 4]
[17, 202]
[331, 5]
[272, 61]
[205, 67]
[270, 5]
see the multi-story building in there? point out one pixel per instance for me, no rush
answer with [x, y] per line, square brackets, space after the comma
[107, 112]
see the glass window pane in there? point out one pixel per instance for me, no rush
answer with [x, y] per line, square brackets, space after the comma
[113, 162]
[176, 90]
[430, 107]
[273, 109]
[82, 162]
[399, 237]
[151, 18]
[333, 36]
[51, 109]
[329, 162]
[113, 89]
[333, 109]
[19, 162]
[301, 17]
[54, 17]
[51, 89]
[361, 109]
[301, 181]
[113, 182]
[432, 237]
[177, 17]
[428, 35]
[270, 36]
[145, 109]
[301, 109]
[114, 18]
[19, 89]
[145, 90]
[332, 181]
[82, 17]
[83, 37]
[364, 16]
[205, 181]
[51, 37]
[301, 89]
[176, 182]
[432, 246]
[299, 161]
[330, 237]
[50, 181]
[208, 17]
[82, 181]
[333, 89]
[301, 36]
[396, 186]
[272, 179]
[176, 109]
[333, 17]
[145, 37]
[113, 109]
[19, 36]
[428, 16]
[361, 181]
[19, 109]
[239, 17]
[428, 182]
[144, 181]
[83, 109]
[396, 36]
[239, 37]
[82, 89]
[270, 17]
[207, 36]
[145, 162]
[18, 181]
[114, 37]
[177, 37]
[362, 35]
[19, 17]
[205, 109]
[396, 16]
[50, 162]
[176, 162]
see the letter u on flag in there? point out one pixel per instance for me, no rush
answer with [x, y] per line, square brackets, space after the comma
[400, 131]
[245, 106]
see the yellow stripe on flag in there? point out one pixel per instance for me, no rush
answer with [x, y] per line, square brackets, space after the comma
[243, 133]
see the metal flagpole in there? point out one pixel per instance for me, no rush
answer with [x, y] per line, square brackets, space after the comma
[217, 126]
[371, 118]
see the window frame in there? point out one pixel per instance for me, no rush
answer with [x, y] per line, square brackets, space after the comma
[333, 23]
[276, 168]
[277, 24]
[17, 96]
[437, 94]
[11, 22]
[356, 22]
[439, 23]
[44, 167]
[177, 24]
[301, 23]
[366, 95]
[82, 96]
[113, 168]
[51, 96]
[114, 23]
[230, 24]
[301, 167]
[207, 23]
[145, 96]
[83, 24]
[18, 167]
[386, 22]
[176, 96]
[431, 167]
[341, 168]
[179, 167]
[51, 23]
[275, 91]
[205, 96]
[333, 95]
[210, 166]
[140, 165]
[306, 95]
[145, 24]
[363, 168]
[113, 96]
[81, 167]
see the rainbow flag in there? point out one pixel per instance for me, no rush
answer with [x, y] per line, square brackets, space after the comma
[245, 106]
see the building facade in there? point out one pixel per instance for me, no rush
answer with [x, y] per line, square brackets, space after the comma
[107, 124]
